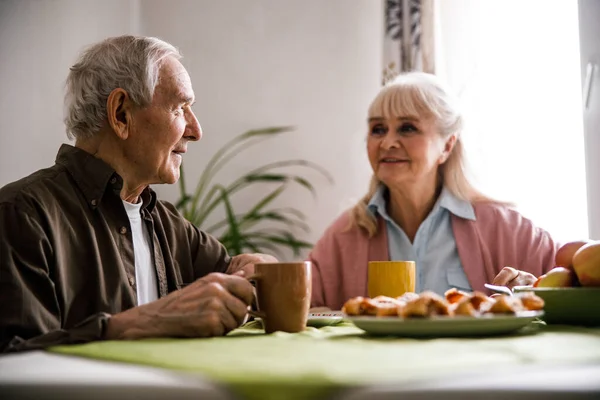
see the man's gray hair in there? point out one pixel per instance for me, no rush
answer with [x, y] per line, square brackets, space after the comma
[128, 62]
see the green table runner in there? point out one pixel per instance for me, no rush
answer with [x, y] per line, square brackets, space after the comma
[317, 362]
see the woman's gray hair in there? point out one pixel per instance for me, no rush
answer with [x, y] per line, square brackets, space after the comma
[128, 62]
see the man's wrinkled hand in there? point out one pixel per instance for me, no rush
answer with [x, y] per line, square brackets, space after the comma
[211, 306]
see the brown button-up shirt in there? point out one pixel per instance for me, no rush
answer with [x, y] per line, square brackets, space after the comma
[66, 252]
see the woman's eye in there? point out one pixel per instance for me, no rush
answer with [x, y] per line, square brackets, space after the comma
[407, 128]
[378, 130]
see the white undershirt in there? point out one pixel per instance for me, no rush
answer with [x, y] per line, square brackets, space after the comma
[145, 275]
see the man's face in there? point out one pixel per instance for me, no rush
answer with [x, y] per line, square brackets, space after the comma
[159, 133]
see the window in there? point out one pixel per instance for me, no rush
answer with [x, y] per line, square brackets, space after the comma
[516, 67]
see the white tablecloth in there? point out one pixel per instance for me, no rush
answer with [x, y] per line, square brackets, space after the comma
[40, 375]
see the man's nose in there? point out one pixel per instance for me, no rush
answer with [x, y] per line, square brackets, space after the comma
[194, 130]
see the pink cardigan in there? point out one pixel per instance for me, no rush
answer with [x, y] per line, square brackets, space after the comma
[498, 237]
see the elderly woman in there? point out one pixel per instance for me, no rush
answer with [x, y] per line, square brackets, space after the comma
[421, 206]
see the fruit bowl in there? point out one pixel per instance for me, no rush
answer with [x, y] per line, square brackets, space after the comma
[568, 305]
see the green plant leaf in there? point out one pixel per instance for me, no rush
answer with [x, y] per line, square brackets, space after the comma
[294, 163]
[266, 245]
[266, 200]
[285, 239]
[251, 220]
[261, 204]
[266, 178]
[276, 240]
[296, 213]
[183, 201]
[226, 153]
[233, 226]
[246, 221]
[243, 231]
[245, 181]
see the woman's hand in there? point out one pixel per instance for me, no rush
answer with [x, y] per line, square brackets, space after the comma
[243, 264]
[511, 277]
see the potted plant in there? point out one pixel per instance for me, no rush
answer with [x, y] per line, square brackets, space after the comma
[261, 227]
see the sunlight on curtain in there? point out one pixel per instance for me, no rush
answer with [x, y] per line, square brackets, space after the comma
[515, 65]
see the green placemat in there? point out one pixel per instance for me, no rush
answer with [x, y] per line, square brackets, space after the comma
[317, 362]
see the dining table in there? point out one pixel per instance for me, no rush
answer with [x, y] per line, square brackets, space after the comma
[337, 362]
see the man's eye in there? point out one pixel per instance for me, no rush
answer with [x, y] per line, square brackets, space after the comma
[407, 128]
[378, 130]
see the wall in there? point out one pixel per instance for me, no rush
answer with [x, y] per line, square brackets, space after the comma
[39, 41]
[315, 65]
[311, 64]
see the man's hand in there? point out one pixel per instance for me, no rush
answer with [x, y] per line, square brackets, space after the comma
[511, 277]
[211, 306]
[243, 264]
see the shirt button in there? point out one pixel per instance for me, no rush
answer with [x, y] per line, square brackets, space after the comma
[123, 230]
[131, 281]
[94, 202]
[113, 180]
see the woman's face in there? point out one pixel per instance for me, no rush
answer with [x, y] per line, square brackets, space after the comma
[406, 149]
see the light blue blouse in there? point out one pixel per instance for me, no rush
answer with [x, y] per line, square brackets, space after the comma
[434, 249]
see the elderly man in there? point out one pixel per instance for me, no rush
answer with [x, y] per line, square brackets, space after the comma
[87, 252]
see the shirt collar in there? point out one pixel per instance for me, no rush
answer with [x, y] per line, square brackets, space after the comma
[378, 202]
[461, 208]
[94, 177]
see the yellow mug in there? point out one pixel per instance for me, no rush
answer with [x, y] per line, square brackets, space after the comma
[391, 278]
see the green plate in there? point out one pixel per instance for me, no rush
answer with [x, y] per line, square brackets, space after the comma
[486, 325]
[570, 306]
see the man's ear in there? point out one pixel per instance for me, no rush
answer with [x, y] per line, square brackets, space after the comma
[448, 147]
[118, 110]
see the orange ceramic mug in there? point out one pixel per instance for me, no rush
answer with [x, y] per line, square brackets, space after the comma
[283, 292]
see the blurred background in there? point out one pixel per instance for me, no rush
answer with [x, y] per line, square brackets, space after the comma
[517, 66]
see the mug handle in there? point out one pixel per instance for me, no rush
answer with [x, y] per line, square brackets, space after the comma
[254, 312]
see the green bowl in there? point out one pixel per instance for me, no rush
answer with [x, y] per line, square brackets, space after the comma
[569, 305]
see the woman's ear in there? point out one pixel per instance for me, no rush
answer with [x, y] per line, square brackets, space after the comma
[448, 147]
[118, 110]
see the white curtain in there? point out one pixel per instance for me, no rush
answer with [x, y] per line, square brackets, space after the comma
[409, 37]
